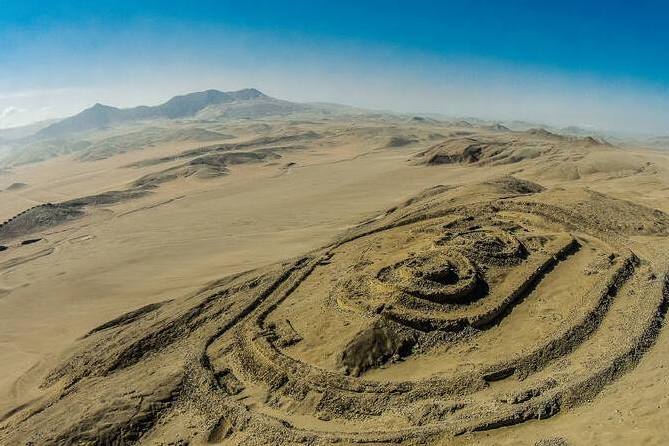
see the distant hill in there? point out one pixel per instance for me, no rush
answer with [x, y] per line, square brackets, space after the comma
[15, 133]
[97, 146]
[656, 142]
[102, 131]
[102, 116]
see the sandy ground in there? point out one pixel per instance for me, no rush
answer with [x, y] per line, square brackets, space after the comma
[190, 232]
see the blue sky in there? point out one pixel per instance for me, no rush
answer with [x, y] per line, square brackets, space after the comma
[596, 64]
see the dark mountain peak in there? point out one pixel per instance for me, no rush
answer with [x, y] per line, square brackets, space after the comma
[101, 108]
[96, 117]
[247, 94]
[207, 95]
[189, 104]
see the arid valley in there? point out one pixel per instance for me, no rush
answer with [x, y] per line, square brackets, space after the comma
[248, 270]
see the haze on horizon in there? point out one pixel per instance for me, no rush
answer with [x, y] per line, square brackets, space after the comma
[584, 65]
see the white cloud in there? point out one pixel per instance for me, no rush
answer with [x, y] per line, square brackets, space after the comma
[6, 115]
[8, 111]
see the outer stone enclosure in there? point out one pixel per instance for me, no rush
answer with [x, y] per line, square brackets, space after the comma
[458, 321]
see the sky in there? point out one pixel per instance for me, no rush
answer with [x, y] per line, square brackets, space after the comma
[596, 64]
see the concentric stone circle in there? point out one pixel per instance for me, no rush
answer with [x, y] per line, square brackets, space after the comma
[487, 243]
[443, 284]
[439, 275]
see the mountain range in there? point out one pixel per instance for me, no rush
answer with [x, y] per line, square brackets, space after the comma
[102, 116]
[103, 130]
